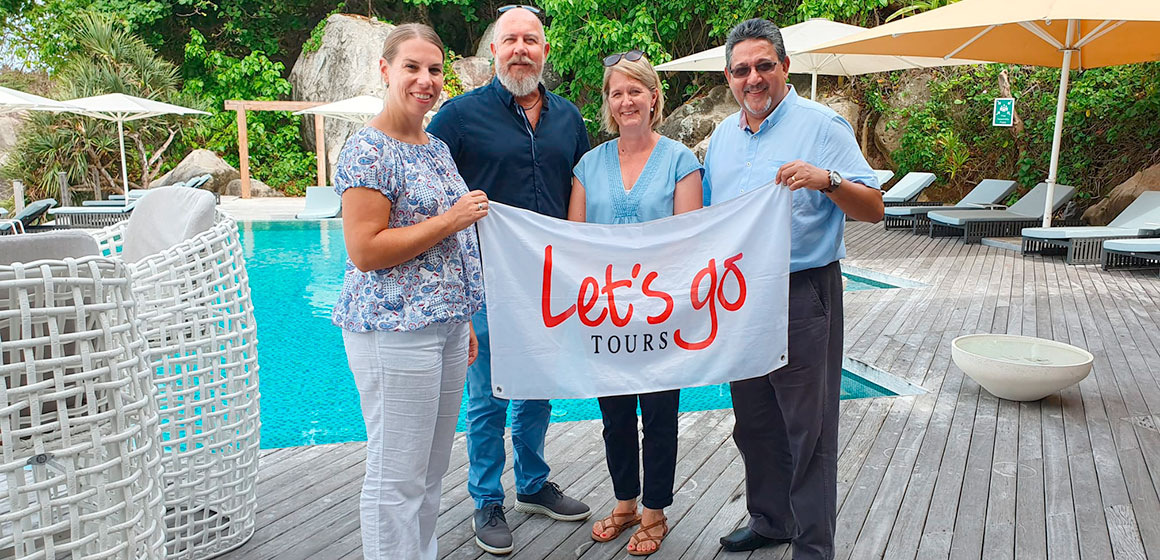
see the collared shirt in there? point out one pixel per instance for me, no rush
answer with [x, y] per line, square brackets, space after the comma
[498, 151]
[739, 160]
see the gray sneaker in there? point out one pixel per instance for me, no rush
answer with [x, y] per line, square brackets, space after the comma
[491, 529]
[552, 502]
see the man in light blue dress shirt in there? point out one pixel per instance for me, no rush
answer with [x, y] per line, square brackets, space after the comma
[787, 420]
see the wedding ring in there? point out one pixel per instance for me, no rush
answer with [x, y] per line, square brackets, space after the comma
[793, 179]
[480, 206]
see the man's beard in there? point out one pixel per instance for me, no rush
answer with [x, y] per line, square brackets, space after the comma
[749, 108]
[519, 87]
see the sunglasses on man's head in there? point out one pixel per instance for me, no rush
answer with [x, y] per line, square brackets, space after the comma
[510, 7]
[761, 67]
[631, 56]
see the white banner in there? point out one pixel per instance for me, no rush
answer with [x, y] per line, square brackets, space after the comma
[579, 310]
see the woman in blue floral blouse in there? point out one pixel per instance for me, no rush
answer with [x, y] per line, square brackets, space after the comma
[412, 282]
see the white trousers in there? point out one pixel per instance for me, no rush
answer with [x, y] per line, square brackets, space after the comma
[410, 386]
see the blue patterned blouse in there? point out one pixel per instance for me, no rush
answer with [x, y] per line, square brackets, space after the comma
[444, 283]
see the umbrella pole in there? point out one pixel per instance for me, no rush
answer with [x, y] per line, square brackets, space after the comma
[814, 86]
[124, 168]
[1056, 140]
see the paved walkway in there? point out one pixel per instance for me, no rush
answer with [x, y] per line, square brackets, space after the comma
[952, 473]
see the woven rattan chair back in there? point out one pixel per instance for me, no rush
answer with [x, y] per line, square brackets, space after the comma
[194, 305]
[80, 463]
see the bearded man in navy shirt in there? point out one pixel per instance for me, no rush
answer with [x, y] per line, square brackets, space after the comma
[517, 142]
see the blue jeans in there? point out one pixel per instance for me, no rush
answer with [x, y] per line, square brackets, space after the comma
[486, 417]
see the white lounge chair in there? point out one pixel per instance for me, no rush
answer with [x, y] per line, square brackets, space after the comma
[985, 195]
[974, 225]
[23, 220]
[321, 203]
[1132, 253]
[907, 189]
[884, 176]
[92, 216]
[1082, 244]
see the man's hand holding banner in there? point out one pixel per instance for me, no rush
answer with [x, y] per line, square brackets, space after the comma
[580, 310]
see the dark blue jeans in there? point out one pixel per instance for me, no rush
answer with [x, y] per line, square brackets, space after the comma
[486, 417]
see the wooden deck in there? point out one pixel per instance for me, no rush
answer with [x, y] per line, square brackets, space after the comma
[954, 473]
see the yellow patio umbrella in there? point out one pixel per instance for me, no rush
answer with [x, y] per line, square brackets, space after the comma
[1065, 34]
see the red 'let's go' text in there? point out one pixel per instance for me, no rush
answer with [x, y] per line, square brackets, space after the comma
[592, 312]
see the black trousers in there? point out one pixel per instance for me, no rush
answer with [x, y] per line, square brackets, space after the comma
[787, 422]
[658, 411]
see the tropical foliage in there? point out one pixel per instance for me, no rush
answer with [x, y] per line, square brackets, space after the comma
[106, 59]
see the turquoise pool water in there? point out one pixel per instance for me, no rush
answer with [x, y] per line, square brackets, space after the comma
[308, 395]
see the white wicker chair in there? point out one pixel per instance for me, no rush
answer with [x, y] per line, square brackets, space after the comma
[79, 443]
[194, 304]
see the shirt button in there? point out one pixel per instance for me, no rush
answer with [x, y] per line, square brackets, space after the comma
[747, 164]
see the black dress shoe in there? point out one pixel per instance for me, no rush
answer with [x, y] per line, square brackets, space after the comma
[744, 539]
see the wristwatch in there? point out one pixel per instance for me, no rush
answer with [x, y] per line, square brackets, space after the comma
[835, 182]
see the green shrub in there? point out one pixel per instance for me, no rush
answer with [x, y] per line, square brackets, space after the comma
[277, 157]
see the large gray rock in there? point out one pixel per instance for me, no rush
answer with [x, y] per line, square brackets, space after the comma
[197, 163]
[258, 189]
[844, 106]
[346, 65]
[912, 92]
[483, 50]
[473, 71]
[1123, 195]
[694, 121]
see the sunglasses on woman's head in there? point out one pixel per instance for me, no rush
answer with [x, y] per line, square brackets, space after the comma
[510, 7]
[761, 67]
[631, 56]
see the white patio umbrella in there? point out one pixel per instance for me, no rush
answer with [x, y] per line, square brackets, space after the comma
[12, 100]
[1065, 34]
[355, 109]
[800, 38]
[121, 108]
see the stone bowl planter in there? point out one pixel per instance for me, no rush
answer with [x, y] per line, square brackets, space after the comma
[1020, 368]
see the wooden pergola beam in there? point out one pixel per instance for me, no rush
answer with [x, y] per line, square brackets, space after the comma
[241, 106]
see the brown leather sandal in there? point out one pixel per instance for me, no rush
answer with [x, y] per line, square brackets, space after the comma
[614, 528]
[643, 535]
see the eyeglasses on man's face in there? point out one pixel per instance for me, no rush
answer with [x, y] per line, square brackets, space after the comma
[763, 67]
[631, 56]
[510, 7]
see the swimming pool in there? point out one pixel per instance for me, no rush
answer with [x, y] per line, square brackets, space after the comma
[308, 395]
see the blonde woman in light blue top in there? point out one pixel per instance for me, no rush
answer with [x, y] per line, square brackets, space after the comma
[637, 177]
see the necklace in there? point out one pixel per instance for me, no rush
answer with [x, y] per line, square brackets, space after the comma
[533, 105]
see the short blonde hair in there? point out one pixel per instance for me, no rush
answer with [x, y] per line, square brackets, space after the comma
[643, 72]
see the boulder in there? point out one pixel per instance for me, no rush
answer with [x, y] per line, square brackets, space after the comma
[200, 162]
[345, 65]
[1124, 194]
[483, 50]
[473, 71]
[912, 92]
[258, 189]
[694, 121]
[844, 106]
